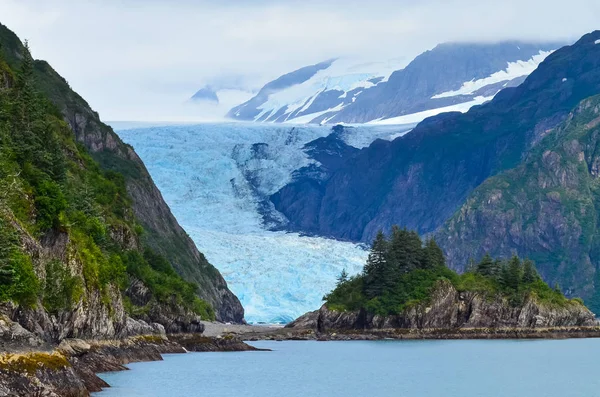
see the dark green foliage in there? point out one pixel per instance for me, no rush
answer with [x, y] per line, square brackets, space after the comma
[487, 267]
[512, 274]
[49, 203]
[18, 281]
[348, 295]
[530, 274]
[50, 185]
[433, 256]
[62, 289]
[164, 283]
[343, 277]
[376, 267]
[403, 272]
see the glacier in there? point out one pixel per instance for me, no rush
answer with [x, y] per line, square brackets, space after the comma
[215, 178]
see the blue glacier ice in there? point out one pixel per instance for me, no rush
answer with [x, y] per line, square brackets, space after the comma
[214, 182]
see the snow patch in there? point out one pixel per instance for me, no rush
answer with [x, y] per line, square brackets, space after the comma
[343, 75]
[512, 71]
[420, 116]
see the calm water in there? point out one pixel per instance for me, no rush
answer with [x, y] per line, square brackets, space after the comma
[384, 368]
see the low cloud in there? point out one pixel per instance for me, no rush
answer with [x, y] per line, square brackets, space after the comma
[141, 60]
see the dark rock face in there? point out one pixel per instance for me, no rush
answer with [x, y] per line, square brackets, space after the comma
[164, 234]
[450, 309]
[301, 198]
[422, 178]
[544, 209]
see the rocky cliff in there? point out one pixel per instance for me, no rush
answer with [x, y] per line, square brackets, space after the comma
[162, 232]
[545, 209]
[450, 309]
[516, 175]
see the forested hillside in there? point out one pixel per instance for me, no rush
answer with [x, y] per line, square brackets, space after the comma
[81, 250]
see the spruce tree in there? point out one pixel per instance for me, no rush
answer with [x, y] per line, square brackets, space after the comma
[512, 275]
[557, 288]
[26, 111]
[343, 277]
[405, 251]
[486, 266]
[530, 274]
[433, 255]
[375, 268]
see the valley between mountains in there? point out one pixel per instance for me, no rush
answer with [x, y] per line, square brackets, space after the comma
[117, 247]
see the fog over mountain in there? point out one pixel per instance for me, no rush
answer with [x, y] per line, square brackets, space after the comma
[136, 71]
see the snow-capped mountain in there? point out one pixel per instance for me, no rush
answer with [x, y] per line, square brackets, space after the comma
[306, 93]
[450, 77]
[218, 179]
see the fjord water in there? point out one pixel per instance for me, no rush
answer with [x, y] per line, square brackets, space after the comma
[497, 368]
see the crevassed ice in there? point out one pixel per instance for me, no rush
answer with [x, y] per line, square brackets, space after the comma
[200, 172]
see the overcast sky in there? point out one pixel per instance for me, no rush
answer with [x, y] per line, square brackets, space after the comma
[141, 59]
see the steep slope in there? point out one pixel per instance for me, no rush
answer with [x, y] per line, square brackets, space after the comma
[254, 108]
[546, 208]
[422, 178]
[163, 233]
[449, 77]
[449, 74]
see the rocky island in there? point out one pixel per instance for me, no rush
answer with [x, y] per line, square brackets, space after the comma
[406, 291]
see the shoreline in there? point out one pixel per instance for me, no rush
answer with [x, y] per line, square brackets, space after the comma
[72, 368]
[425, 334]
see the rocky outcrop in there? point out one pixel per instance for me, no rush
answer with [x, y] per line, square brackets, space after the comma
[70, 369]
[96, 314]
[449, 309]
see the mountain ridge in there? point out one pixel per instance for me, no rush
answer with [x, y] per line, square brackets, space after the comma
[340, 91]
[421, 179]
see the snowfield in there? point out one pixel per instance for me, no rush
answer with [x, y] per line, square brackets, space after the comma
[215, 176]
[513, 70]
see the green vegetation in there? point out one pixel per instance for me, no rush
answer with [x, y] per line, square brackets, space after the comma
[50, 187]
[402, 271]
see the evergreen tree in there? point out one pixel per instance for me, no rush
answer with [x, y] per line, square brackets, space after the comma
[471, 266]
[496, 269]
[432, 255]
[486, 266]
[375, 268]
[557, 288]
[26, 111]
[530, 274]
[343, 277]
[512, 274]
[405, 251]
